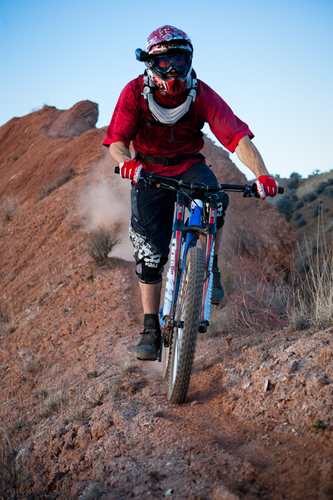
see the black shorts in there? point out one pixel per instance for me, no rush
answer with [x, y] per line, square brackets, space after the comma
[153, 213]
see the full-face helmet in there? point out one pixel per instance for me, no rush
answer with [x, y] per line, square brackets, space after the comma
[167, 49]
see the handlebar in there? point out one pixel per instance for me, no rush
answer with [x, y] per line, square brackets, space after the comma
[152, 179]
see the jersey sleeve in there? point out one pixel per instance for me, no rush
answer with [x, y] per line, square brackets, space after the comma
[123, 125]
[224, 124]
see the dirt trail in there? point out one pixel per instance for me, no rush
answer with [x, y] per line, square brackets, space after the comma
[137, 445]
[114, 435]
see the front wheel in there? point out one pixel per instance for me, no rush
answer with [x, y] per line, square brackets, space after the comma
[187, 317]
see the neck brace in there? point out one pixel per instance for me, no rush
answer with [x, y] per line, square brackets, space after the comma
[168, 116]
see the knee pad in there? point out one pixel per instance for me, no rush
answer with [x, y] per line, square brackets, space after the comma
[149, 270]
[222, 206]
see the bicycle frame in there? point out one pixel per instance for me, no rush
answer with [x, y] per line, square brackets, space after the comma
[179, 248]
[209, 255]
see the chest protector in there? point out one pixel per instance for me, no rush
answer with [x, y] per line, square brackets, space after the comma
[168, 131]
[163, 115]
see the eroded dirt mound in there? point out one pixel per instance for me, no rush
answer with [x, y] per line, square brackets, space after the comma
[32, 161]
[80, 417]
[80, 118]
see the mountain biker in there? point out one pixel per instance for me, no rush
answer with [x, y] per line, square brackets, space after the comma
[163, 112]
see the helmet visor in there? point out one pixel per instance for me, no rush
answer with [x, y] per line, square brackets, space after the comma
[165, 63]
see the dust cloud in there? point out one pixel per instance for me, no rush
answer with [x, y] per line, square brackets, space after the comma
[105, 201]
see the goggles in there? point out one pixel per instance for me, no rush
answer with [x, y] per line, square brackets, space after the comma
[165, 63]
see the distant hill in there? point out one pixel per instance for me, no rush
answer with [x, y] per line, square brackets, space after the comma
[309, 208]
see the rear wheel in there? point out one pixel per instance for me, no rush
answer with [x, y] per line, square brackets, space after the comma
[188, 311]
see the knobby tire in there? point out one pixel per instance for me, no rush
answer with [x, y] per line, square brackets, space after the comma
[166, 358]
[188, 310]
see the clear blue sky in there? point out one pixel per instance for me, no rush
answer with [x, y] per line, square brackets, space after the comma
[270, 60]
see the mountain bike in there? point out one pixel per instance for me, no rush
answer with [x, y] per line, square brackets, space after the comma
[188, 291]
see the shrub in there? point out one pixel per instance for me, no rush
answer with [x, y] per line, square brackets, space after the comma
[101, 241]
[298, 215]
[286, 207]
[321, 187]
[299, 205]
[298, 318]
[330, 181]
[301, 222]
[293, 195]
[293, 184]
[294, 180]
[329, 192]
[310, 197]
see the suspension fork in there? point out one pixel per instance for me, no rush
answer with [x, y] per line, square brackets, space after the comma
[174, 271]
[209, 256]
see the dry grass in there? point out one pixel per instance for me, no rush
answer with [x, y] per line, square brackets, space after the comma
[55, 275]
[311, 302]
[257, 301]
[8, 209]
[22, 472]
[16, 470]
[19, 477]
[101, 241]
[254, 294]
[61, 397]
[10, 474]
[258, 297]
[8, 323]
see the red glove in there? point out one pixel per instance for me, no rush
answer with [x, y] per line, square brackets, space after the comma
[131, 170]
[266, 186]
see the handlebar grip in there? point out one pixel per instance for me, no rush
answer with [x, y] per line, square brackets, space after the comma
[117, 170]
[280, 190]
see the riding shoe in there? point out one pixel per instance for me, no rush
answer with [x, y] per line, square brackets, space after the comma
[218, 292]
[149, 345]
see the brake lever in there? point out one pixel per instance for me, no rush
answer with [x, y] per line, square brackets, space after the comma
[250, 191]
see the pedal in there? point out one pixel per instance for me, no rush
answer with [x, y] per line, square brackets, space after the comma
[203, 325]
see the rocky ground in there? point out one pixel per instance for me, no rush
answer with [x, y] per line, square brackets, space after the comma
[80, 417]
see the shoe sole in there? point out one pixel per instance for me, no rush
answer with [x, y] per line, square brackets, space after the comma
[143, 356]
[146, 359]
[217, 300]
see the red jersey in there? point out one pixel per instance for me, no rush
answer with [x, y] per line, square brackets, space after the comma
[132, 121]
